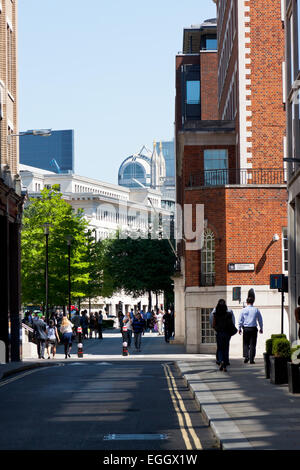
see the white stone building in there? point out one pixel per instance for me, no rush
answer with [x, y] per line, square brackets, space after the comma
[108, 208]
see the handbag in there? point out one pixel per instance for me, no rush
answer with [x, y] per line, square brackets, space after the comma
[230, 328]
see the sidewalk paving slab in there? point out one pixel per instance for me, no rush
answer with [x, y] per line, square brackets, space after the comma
[244, 410]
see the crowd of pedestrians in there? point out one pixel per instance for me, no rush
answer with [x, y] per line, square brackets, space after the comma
[60, 329]
[135, 324]
[64, 330]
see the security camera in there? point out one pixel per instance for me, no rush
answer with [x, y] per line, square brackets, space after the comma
[275, 237]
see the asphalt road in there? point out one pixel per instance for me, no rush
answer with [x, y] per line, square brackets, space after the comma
[101, 405]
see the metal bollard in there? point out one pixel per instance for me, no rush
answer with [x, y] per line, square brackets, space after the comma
[80, 343]
[125, 341]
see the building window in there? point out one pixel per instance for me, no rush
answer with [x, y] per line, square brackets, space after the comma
[215, 167]
[285, 250]
[193, 92]
[208, 334]
[208, 273]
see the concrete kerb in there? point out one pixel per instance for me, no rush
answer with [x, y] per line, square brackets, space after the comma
[227, 434]
[15, 368]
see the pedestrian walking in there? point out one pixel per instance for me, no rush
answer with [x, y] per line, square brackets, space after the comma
[223, 321]
[66, 330]
[52, 339]
[92, 325]
[100, 324]
[167, 320]
[297, 316]
[128, 324]
[148, 319]
[138, 326]
[211, 319]
[152, 322]
[39, 328]
[159, 318]
[250, 317]
[84, 323]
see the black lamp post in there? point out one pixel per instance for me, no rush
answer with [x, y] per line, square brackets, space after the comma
[69, 239]
[46, 232]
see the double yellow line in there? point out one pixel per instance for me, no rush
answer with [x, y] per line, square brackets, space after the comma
[186, 427]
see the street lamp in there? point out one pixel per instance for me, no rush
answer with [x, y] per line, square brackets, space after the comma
[46, 232]
[69, 239]
[36, 132]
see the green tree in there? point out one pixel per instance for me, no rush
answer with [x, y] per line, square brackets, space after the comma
[51, 209]
[140, 265]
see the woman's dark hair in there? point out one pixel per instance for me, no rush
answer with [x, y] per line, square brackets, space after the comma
[221, 307]
[51, 323]
[250, 300]
[299, 300]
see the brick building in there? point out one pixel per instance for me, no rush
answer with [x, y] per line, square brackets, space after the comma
[229, 158]
[292, 69]
[10, 188]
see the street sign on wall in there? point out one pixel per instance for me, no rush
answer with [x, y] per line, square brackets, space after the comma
[240, 267]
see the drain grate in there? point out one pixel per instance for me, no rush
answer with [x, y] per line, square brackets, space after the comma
[135, 437]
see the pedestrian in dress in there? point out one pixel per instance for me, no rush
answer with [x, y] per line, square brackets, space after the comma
[152, 322]
[52, 339]
[138, 326]
[66, 330]
[222, 320]
[250, 317]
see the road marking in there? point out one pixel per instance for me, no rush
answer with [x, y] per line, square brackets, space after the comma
[182, 413]
[24, 374]
[19, 376]
[135, 437]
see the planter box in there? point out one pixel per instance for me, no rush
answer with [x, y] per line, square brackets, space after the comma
[278, 370]
[293, 377]
[267, 365]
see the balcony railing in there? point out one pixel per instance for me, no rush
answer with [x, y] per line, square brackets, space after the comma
[239, 177]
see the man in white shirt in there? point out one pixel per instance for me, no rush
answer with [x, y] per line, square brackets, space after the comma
[249, 318]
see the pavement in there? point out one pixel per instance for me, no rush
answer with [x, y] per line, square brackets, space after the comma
[244, 410]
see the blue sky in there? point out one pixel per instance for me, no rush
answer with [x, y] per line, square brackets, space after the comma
[106, 70]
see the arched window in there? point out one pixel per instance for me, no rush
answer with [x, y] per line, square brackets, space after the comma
[208, 272]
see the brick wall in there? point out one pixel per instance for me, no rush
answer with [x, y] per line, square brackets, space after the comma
[243, 222]
[209, 85]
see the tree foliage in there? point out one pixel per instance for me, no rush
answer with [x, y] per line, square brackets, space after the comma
[140, 265]
[51, 209]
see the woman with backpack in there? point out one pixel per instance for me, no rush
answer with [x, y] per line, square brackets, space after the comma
[52, 338]
[223, 323]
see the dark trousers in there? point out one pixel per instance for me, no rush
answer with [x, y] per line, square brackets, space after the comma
[99, 331]
[168, 333]
[223, 341]
[41, 343]
[249, 342]
[137, 340]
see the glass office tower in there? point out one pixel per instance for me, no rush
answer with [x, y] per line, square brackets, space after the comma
[53, 153]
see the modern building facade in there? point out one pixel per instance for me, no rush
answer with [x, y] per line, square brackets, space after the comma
[51, 153]
[108, 208]
[291, 17]
[11, 200]
[230, 131]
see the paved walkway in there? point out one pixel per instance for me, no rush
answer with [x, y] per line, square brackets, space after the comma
[243, 408]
